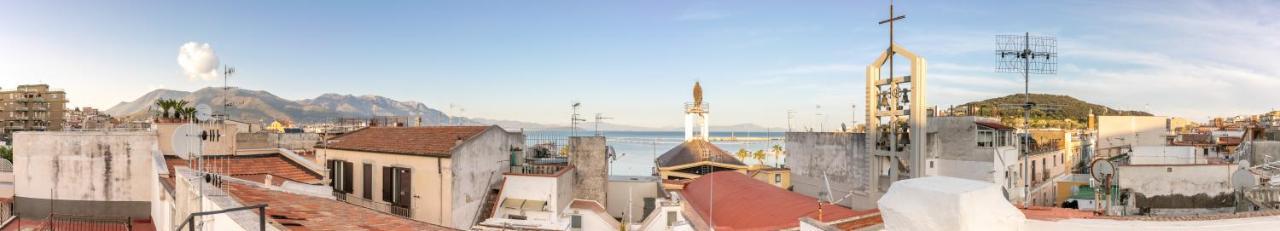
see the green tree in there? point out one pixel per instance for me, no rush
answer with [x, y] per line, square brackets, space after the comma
[165, 105]
[743, 153]
[7, 153]
[759, 156]
[777, 153]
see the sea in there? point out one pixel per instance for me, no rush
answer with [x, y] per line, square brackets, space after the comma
[637, 151]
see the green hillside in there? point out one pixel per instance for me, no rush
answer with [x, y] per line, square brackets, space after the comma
[1058, 111]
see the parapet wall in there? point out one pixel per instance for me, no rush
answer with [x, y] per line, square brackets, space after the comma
[1179, 186]
[98, 174]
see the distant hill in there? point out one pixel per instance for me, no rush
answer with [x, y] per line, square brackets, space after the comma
[262, 106]
[1064, 107]
[141, 104]
[258, 106]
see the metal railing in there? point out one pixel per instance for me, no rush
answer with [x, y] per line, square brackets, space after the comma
[379, 206]
[72, 222]
[538, 169]
[262, 216]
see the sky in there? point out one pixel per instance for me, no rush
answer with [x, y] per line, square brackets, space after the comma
[637, 60]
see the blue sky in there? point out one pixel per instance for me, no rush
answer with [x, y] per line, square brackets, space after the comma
[636, 60]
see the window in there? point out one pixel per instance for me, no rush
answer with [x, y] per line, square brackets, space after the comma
[671, 218]
[985, 138]
[396, 185]
[777, 178]
[366, 188]
[575, 222]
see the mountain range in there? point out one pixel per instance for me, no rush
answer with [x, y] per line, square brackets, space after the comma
[263, 107]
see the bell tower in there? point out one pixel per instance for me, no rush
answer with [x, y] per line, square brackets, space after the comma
[896, 115]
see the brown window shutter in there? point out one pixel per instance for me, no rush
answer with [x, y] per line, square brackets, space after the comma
[333, 176]
[386, 184]
[368, 181]
[404, 188]
[346, 177]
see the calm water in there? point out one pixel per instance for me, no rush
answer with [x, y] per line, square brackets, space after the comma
[637, 150]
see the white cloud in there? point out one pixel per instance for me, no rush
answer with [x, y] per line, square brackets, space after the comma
[198, 61]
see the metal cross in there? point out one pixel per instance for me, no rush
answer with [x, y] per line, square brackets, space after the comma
[890, 22]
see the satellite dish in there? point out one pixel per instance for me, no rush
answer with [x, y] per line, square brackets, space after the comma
[1100, 168]
[186, 140]
[204, 112]
[1243, 179]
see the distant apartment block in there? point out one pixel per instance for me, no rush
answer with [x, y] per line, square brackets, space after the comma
[31, 108]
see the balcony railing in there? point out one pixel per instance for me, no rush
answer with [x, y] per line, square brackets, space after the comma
[379, 206]
[538, 169]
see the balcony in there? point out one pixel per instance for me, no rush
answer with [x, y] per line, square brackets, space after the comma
[545, 170]
[379, 206]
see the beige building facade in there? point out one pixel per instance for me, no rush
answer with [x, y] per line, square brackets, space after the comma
[33, 107]
[439, 175]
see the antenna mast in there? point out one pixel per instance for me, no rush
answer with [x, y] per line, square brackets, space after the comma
[600, 117]
[575, 118]
[1026, 54]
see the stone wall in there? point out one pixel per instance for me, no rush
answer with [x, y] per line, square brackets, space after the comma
[591, 165]
[842, 157]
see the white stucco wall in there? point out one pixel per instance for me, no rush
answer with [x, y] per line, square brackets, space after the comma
[86, 166]
[947, 203]
[1143, 155]
[1181, 185]
[476, 165]
[622, 191]
[1114, 131]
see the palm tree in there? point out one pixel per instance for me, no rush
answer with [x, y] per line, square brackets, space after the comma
[164, 105]
[759, 156]
[184, 113]
[743, 153]
[777, 152]
[179, 105]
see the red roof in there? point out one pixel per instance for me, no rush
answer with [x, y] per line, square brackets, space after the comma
[301, 212]
[743, 203]
[427, 141]
[255, 168]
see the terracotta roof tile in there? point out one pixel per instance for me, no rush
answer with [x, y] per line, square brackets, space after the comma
[301, 212]
[255, 167]
[427, 141]
[743, 203]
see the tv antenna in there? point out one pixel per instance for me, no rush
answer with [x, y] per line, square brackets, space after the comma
[574, 119]
[226, 91]
[1026, 54]
[600, 117]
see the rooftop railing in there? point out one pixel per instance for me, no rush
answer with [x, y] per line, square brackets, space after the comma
[379, 206]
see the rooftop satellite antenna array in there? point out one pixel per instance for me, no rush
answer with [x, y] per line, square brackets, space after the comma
[1026, 54]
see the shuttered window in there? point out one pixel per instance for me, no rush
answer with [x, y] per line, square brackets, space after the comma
[333, 179]
[367, 176]
[386, 184]
[346, 177]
